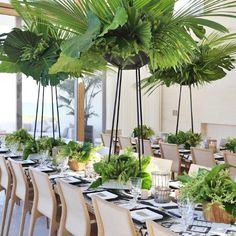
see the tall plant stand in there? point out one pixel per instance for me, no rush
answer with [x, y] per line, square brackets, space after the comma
[53, 94]
[191, 108]
[116, 114]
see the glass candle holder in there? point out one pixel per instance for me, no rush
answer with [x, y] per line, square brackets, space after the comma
[160, 186]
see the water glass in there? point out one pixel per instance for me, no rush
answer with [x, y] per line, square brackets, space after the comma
[43, 158]
[186, 210]
[62, 165]
[136, 185]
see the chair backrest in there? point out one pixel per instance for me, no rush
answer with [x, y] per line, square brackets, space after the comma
[111, 219]
[171, 152]
[147, 147]
[75, 215]
[161, 164]
[43, 193]
[195, 168]
[155, 229]
[20, 182]
[119, 132]
[230, 158]
[106, 140]
[203, 157]
[5, 179]
[124, 142]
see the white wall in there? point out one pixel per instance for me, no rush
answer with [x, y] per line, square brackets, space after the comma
[128, 120]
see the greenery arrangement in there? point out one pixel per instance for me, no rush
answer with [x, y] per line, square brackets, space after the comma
[208, 62]
[231, 145]
[41, 144]
[19, 137]
[121, 168]
[214, 186]
[80, 152]
[147, 132]
[188, 139]
[130, 32]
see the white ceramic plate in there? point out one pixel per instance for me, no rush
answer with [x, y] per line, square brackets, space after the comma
[142, 215]
[103, 194]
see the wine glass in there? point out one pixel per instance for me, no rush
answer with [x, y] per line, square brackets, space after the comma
[136, 184]
[43, 157]
[62, 165]
[186, 210]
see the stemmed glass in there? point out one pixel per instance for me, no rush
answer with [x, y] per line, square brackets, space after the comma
[62, 165]
[136, 185]
[43, 157]
[186, 210]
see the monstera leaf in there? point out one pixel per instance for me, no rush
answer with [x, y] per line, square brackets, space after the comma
[33, 55]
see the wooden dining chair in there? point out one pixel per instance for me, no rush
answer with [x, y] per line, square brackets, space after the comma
[124, 142]
[203, 157]
[195, 168]
[44, 203]
[230, 158]
[171, 152]
[112, 220]
[147, 147]
[5, 185]
[106, 140]
[155, 229]
[75, 217]
[161, 164]
[20, 191]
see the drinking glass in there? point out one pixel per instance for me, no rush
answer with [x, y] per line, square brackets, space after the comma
[43, 158]
[136, 185]
[62, 165]
[186, 210]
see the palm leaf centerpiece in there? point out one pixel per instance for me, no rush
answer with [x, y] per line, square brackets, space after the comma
[122, 29]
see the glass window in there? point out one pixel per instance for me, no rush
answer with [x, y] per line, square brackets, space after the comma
[7, 85]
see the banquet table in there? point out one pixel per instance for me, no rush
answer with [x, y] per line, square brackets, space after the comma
[171, 216]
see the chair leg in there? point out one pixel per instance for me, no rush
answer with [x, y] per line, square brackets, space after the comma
[12, 201]
[22, 223]
[7, 198]
[34, 216]
[53, 228]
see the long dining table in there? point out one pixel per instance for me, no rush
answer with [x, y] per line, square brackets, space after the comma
[168, 213]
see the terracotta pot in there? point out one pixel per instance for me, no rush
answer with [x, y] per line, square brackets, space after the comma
[76, 166]
[216, 214]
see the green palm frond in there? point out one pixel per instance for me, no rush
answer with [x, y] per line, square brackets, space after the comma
[209, 62]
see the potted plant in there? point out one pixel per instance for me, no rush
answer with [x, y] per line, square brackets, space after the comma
[79, 154]
[215, 190]
[184, 139]
[231, 145]
[147, 132]
[19, 137]
[121, 168]
[130, 33]
[213, 56]
[41, 144]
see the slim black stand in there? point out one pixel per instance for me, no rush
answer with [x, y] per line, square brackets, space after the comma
[116, 113]
[191, 108]
[42, 112]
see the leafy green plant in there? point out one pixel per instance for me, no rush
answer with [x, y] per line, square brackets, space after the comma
[147, 132]
[20, 137]
[121, 168]
[211, 59]
[214, 186]
[231, 145]
[121, 29]
[80, 152]
[41, 144]
[188, 138]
